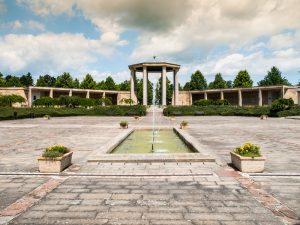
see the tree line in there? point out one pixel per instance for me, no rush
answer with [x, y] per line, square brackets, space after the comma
[197, 82]
[242, 79]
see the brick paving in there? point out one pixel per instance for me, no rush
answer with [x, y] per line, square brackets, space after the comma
[150, 193]
[147, 201]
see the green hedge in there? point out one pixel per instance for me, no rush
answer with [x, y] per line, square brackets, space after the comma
[206, 102]
[8, 100]
[229, 111]
[71, 101]
[7, 113]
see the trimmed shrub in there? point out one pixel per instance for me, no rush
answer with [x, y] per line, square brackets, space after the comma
[281, 105]
[9, 100]
[207, 102]
[7, 113]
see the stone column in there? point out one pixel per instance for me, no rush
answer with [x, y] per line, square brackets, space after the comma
[240, 97]
[29, 97]
[176, 88]
[205, 95]
[70, 93]
[222, 95]
[282, 92]
[260, 103]
[103, 96]
[164, 86]
[132, 92]
[51, 93]
[88, 94]
[145, 85]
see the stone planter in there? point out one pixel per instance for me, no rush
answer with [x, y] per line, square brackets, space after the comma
[55, 165]
[183, 127]
[248, 164]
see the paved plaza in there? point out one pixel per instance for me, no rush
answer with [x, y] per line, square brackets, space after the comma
[149, 193]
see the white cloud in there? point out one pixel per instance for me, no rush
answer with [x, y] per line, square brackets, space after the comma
[171, 26]
[48, 52]
[256, 63]
[281, 41]
[27, 25]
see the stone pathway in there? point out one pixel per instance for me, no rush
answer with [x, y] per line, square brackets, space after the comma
[149, 193]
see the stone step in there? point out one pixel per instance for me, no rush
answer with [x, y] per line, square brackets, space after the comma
[155, 157]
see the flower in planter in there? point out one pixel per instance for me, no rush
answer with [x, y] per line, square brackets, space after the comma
[124, 124]
[248, 149]
[55, 151]
[183, 124]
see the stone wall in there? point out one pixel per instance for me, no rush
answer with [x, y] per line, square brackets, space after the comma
[292, 93]
[125, 94]
[184, 98]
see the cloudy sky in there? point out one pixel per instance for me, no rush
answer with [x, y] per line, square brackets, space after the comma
[103, 37]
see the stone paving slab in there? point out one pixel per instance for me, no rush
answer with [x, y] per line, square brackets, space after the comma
[286, 189]
[146, 201]
[14, 187]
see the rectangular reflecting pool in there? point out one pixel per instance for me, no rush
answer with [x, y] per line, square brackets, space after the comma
[140, 141]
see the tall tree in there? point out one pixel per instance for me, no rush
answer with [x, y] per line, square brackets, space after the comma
[110, 83]
[198, 82]
[187, 86]
[229, 84]
[2, 80]
[76, 83]
[219, 82]
[45, 81]
[101, 85]
[65, 81]
[26, 80]
[12, 81]
[124, 86]
[139, 91]
[88, 82]
[243, 79]
[158, 91]
[273, 78]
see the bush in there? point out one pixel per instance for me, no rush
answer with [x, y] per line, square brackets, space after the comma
[55, 151]
[207, 102]
[249, 150]
[124, 124]
[223, 110]
[184, 123]
[9, 100]
[281, 105]
[7, 113]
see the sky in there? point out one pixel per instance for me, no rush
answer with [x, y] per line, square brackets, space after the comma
[103, 37]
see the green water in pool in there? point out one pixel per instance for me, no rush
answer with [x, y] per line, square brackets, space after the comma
[140, 141]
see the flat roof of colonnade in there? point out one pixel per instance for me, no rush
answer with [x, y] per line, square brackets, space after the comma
[154, 66]
[256, 88]
[75, 90]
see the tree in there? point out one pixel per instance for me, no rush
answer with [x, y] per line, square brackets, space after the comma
[2, 80]
[26, 80]
[110, 83]
[198, 82]
[229, 83]
[169, 87]
[46, 81]
[76, 83]
[88, 82]
[65, 81]
[243, 79]
[12, 81]
[219, 82]
[124, 86]
[299, 83]
[101, 85]
[187, 86]
[139, 91]
[273, 78]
